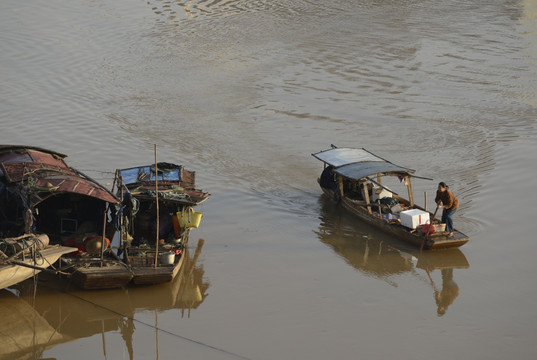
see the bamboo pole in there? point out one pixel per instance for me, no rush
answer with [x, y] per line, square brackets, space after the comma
[382, 186]
[426, 237]
[122, 235]
[104, 235]
[156, 201]
[366, 195]
[425, 196]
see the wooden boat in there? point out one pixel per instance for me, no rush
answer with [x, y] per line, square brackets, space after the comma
[347, 179]
[92, 273]
[25, 256]
[172, 195]
[41, 194]
[66, 314]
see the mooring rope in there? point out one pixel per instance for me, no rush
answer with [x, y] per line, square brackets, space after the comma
[35, 254]
[197, 342]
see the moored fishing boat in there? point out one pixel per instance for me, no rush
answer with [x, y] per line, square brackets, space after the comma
[27, 255]
[41, 194]
[55, 317]
[347, 179]
[154, 245]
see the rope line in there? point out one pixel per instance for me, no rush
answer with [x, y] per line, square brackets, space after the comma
[197, 342]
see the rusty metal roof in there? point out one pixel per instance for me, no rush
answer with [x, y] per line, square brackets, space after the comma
[23, 148]
[45, 174]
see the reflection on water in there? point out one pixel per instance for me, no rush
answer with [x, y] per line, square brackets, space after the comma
[448, 293]
[377, 255]
[23, 329]
[49, 313]
[246, 90]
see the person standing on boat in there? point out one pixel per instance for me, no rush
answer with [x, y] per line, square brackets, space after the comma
[449, 202]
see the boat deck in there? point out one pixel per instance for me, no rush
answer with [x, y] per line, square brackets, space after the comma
[97, 274]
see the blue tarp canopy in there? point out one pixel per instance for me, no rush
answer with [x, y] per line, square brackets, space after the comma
[166, 171]
[358, 163]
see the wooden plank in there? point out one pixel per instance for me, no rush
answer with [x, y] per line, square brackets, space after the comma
[410, 193]
[366, 195]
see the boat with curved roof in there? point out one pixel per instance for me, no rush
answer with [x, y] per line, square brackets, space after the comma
[41, 194]
[353, 177]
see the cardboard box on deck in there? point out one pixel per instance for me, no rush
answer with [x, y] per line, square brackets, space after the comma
[414, 217]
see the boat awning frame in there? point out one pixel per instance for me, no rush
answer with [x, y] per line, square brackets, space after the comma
[141, 174]
[43, 182]
[356, 164]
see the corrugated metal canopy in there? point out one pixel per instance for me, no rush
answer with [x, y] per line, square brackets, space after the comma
[23, 148]
[358, 163]
[37, 174]
[62, 183]
[342, 156]
[47, 181]
[359, 170]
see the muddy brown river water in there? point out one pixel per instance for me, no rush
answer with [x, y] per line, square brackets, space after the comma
[243, 92]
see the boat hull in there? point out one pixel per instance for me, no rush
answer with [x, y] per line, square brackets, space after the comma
[142, 264]
[435, 241]
[94, 274]
[14, 274]
[151, 275]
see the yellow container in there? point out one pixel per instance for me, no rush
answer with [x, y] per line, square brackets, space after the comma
[195, 219]
[189, 218]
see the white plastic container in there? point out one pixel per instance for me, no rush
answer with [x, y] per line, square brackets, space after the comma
[413, 218]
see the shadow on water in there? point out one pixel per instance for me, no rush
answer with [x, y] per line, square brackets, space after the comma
[377, 255]
[38, 315]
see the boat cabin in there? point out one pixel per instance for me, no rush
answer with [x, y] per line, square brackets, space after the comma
[40, 193]
[357, 174]
[172, 185]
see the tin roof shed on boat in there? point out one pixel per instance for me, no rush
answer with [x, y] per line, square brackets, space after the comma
[353, 177]
[46, 174]
[59, 196]
[358, 163]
